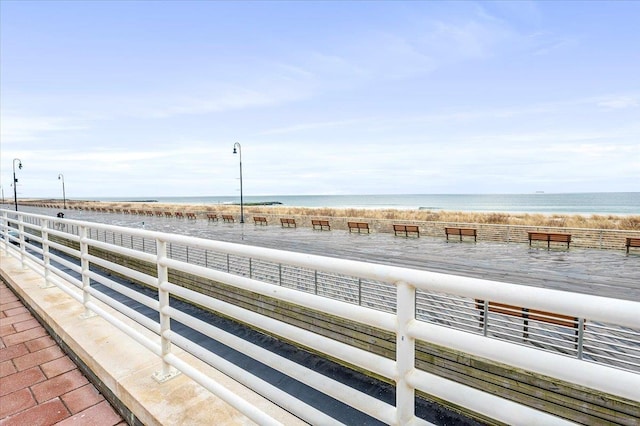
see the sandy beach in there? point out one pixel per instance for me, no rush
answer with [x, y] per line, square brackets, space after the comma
[618, 222]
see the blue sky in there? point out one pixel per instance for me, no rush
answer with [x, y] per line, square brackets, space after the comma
[148, 98]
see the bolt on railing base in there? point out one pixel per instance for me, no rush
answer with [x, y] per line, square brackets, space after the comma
[88, 314]
[161, 377]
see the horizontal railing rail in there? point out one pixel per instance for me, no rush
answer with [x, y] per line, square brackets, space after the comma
[602, 350]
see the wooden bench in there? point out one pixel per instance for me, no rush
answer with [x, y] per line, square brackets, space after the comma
[191, 215]
[549, 237]
[462, 232]
[228, 218]
[528, 314]
[149, 213]
[406, 230]
[179, 215]
[320, 224]
[289, 223]
[212, 216]
[158, 213]
[632, 242]
[358, 226]
[259, 220]
[167, 214]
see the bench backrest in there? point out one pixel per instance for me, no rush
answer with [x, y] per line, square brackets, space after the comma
[633, 242]
[460, 231]
[360, 225]
[407, 228]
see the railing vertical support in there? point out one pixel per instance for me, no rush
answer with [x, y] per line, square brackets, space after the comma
[23, 248]
[405, 353]
[165, 321]
[5, 232]
[46, 257]
[485, 315]
[580, 342]
[84, 266]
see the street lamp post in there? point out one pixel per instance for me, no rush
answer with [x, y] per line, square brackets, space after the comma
[239, 151]
[64, 197]
[15, 181]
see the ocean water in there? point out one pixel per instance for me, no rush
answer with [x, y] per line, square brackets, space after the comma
[618, 203]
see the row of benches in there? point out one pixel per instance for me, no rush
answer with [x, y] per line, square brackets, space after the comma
[414, 230]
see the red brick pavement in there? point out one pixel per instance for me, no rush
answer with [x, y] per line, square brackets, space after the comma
[39, 384]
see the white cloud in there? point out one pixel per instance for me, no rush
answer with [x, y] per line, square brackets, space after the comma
[620, 102]
[21, 128]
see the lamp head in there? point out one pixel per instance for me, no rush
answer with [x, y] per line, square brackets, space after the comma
[235, 151]
[20, 165]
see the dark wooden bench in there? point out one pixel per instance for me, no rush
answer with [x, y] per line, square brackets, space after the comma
[529, 314]
[167, 214]
[320, 224]
[286, 222]
[191, 215]
[179, 215]
[406, 230]
[259, 220]
[212, 216]
[358, 226]
[228, 218]
[549, 237]
[462, 232]
[158, 213]
[632, 242]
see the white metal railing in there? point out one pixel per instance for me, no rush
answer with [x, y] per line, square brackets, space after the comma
[399, 300]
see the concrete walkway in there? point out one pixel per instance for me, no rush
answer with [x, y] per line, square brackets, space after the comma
[607, 273]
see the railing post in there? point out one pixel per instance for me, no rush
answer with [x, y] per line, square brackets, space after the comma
[5, 232]
[405, 353]
[23, 248]
[165, 320]
[84, 266]
[46, 257]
